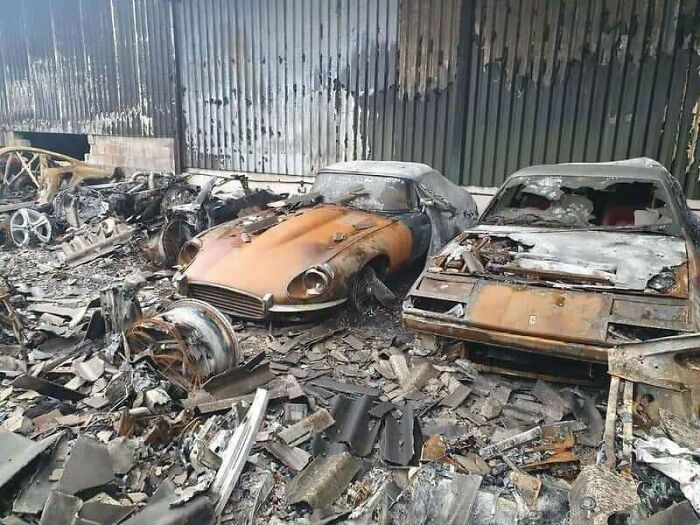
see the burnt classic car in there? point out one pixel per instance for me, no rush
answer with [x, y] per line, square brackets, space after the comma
[567, 260]
[360, 222]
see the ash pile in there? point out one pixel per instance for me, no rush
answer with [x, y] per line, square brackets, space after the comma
[121, 402]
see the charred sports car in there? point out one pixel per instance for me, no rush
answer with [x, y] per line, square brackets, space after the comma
[360, 222]
[40, 174]
[567, 260]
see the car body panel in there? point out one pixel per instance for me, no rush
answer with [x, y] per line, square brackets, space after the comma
[540, 312]
[567, 323]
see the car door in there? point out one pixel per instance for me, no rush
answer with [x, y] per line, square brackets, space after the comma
[419, 224]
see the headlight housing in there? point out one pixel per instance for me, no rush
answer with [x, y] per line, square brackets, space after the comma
[189, 251]
[311, 283]
[315, 281]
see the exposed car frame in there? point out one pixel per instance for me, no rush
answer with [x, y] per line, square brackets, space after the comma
[45, 171]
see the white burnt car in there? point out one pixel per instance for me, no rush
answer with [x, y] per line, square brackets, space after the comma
[567, 260]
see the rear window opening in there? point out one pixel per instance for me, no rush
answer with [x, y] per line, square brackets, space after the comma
[579, 202]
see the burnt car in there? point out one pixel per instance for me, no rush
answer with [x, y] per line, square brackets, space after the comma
[359, 223]
[567, 260]
[39, 174]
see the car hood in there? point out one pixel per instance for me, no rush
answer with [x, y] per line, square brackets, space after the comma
[622, 261]
[262, 254]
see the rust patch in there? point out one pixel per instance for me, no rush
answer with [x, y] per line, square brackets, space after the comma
[540, 312]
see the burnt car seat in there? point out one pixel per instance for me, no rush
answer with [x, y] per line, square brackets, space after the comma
[530, 200]
[620, 215]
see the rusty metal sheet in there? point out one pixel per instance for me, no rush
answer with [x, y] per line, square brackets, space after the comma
[559, 314]
[659, 363]
[442, 326]
[665, 368]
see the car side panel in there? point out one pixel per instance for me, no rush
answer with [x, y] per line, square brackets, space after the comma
[392, 244]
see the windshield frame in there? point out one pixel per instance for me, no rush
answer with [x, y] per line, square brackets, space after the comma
[675, 228]
[412, 205]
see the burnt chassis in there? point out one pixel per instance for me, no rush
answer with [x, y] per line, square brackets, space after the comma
[45, 171]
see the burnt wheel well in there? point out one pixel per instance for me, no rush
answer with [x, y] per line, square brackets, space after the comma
[380, 264]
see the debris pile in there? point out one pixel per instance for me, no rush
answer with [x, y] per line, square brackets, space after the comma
[121, 402]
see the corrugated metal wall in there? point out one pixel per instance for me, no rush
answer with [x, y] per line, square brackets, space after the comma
[87, 66]
[288, 86]
[476, 88]
[570, 80]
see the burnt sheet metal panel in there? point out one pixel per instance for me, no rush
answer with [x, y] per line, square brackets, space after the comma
[565, 80]
[289, 86]
[87, 66]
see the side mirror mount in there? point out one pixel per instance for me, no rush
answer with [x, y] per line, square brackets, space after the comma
[425, 203]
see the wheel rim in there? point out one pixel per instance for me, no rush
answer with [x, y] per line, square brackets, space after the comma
[360, 292]
[27, 225]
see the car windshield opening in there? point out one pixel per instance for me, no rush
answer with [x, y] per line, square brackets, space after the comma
[384, 194]
[581, 202]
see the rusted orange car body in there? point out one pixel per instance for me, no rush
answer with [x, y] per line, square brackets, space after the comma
[235, 274]
[569, 292]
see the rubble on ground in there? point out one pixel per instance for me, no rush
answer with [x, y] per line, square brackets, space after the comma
[123, 403]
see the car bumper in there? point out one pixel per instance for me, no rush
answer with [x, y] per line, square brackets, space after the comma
[448, 327]
[300, 309]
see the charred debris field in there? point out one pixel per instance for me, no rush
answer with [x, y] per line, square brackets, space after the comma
[126, 398]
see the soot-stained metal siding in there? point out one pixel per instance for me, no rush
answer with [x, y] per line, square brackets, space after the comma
[565, 80]
[87, 66]
[288, 86]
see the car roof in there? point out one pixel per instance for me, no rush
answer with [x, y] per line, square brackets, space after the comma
[381, 168]
[640, 168]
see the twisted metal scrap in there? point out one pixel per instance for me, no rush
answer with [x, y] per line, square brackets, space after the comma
[173, 362]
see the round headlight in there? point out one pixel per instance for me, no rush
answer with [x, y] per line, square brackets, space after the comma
[189, 252]
[315, 281]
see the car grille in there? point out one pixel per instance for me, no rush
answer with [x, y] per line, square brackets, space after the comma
[228, 301]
